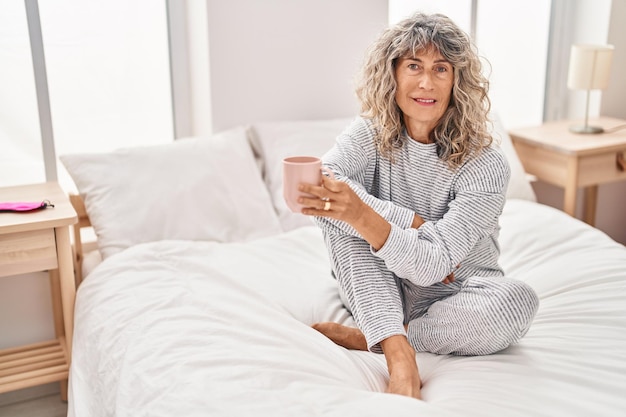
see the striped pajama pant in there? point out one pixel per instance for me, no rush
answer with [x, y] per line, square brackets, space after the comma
[474, 315]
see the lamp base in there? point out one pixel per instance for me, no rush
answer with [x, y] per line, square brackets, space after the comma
[586, 129]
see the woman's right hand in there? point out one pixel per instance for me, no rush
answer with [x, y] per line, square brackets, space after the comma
[334, 199]
[337, 200]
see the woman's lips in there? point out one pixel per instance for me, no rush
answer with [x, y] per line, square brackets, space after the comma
[425, 101]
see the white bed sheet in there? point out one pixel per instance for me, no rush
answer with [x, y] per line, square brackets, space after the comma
[205, 329]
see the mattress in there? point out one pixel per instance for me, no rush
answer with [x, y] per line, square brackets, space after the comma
[224, 329]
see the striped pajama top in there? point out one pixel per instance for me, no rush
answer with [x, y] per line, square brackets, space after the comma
[460, 207]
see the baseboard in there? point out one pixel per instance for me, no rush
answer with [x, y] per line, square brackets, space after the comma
[31, 393]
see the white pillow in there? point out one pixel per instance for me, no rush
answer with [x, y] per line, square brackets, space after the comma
[519, 186]
[190, 189]
[273, 141]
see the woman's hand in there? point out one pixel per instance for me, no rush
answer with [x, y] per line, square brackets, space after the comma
[449, 279]
[336, 200]
[417, 221]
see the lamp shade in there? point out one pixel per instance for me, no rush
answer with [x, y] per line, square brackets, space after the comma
[589, 67]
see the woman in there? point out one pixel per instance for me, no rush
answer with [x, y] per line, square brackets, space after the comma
[411, 219]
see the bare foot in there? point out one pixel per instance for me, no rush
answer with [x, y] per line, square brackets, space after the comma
[348, 337]
[404, 378]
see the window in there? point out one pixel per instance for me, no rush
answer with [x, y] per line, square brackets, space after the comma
[21, 156]
[517, 63]
[108, 76]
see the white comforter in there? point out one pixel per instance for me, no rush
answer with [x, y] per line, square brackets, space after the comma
[178, 328]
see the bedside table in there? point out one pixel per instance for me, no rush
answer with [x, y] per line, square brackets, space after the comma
[557, 156]
[39, 241]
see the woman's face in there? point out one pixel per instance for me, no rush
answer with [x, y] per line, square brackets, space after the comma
[424, 86]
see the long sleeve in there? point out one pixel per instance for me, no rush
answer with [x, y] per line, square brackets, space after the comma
[353, 160]
[426, 255]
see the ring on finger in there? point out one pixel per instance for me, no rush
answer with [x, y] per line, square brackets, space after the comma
[327, 206]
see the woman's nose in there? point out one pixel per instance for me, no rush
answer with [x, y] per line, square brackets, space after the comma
[425, 81]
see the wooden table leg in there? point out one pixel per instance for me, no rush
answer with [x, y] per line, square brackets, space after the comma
[571, 187]
[591, 198]
[68, 292]
[57, 306]
[57, 310]
[68, 285]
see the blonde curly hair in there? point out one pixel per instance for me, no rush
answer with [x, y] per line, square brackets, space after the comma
[462, 130]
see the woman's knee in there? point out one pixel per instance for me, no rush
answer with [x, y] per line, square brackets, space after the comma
[522, 303]
[509, 309]
[513, 310]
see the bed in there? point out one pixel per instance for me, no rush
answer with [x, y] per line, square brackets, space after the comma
[200, 297]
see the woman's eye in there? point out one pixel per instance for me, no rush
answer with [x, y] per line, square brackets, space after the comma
[413, 66]
[441, 69]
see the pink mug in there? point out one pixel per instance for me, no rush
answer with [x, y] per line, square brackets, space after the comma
[297, 170]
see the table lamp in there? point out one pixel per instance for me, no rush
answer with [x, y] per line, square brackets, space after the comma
[589, 69]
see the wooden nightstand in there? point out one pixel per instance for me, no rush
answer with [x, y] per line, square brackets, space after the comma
[31, 242]
[555, 155]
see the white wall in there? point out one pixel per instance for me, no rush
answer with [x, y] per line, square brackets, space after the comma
[287, 59]
[460, 11]
[591, 26]
[199, 69]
